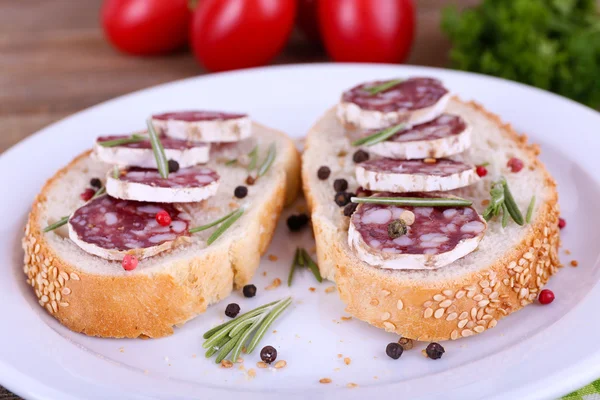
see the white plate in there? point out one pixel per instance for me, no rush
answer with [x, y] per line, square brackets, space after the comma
[540, 352]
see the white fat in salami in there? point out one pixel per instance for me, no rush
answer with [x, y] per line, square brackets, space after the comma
[412, 101]
[437, 237]
[205, 126]
[444, 136]
[186, 185]
[139, 154]
[111, 228]
[386, 174]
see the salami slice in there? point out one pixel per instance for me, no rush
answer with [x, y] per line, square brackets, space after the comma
[412, 101]
[204, 126]
[437, 236]
[139, 154]
[111, 228]
[186, 185]
[444, 136]
[386, 174]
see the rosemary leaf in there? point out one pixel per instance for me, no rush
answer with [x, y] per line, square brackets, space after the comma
[275, 312]
[252, 313]
[135, 138]
[504, 215]
[511, 205]
[253, 158]
[231, 162]
[226, 349]
[379, 136]
[312, 265]
[373, 90]
[210, 225]
[293, 267]
[415, 201]
[99, 192]
[240, 326]
[57, 224]
[530, 209]
[226, 224]
[162, 163]
[271, 154]
[116, 173]
[217, 346]
[496, 202]
[235, 353]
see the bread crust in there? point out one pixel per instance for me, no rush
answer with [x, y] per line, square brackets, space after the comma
[445, 309]
[142, 304]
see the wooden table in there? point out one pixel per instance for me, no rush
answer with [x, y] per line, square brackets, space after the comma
[54, 62]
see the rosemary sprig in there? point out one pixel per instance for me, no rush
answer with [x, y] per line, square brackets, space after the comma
[530, 209]
[380, 136]
[253, 158]
[511, 205]
[231, 336]
[64, 220]
[162, 163]
[266, 164]
[57, 224]
[311, 264]
[415, 201]
[211, 224]
[293, 267]
[373, 90]
[226, 224]
[135, 138]
[496, 202]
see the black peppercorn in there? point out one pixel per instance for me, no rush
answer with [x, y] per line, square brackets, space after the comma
[339, 185]
[173, 166]
[360, 156]
[297, 222]
[96, 183]
[342, 198]
[240, 192]
[394, 350]
[232, 310]
[396, 228]
[349, 209]
[249, 291]
[434, 351]
[323, 172]
[268, 354]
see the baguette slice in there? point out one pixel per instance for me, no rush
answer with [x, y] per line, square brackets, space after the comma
[97, 297]
[506, 271]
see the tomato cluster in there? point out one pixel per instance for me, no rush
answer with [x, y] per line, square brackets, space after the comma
[232, 34]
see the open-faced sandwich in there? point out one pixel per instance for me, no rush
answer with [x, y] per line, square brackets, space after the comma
[434, 218]
[145, 231]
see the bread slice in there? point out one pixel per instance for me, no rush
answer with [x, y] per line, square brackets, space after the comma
[97, 297]
[506, 271]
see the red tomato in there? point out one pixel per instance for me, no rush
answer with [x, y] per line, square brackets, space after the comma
[308, 20]
[231, 34]
[146, 27]
[367, 30]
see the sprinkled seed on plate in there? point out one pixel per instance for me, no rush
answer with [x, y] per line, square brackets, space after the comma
[280, 364]
[261, 364]
[351, 385]
[325, 380]
[226, 364]
[347, 360]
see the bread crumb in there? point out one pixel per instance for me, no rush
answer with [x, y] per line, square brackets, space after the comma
[567, 251]
[122, 349]
[424, 353]
[275, 331]
[275, 284]
[226, 364]
[261, 364]
[406, 343]
[264, 273]
[325, 380]
[239, 360]
[330, 289]
[241, 367]
[337, 369]
[233, 205]
[312, 289]
[574, 263]
[485, 202]
[193, 356]
[347, 360]
[375, 377]
[251, 372]
[273, 257]
[340, 356]
[280, 364]
[351, 385]
[346, 318]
